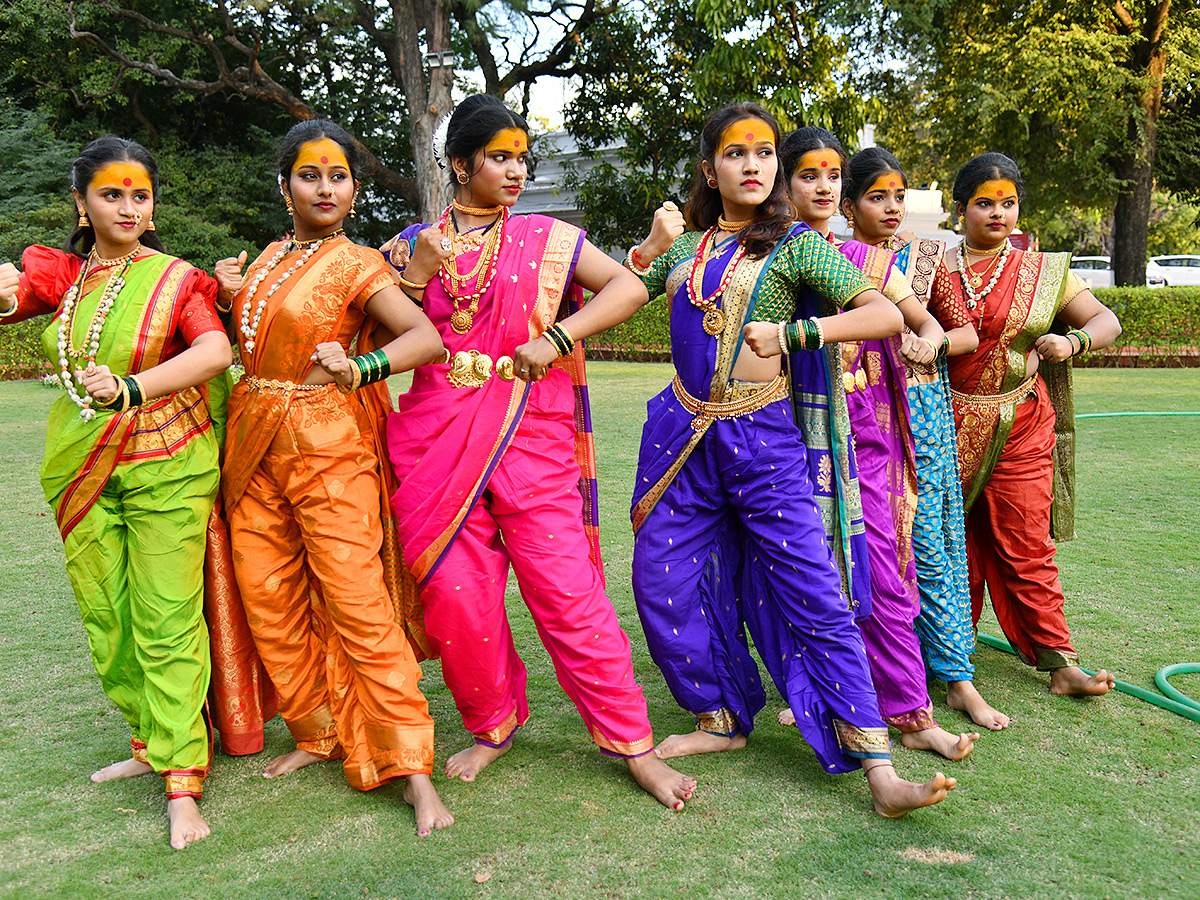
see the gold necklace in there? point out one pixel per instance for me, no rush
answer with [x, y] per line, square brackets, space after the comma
[986, 253]
[475, 210]
[301, 245]
[454, 283]
[732, 227]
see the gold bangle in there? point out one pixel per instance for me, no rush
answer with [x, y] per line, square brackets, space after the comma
[567, 334]
[4, 314]
[411, 285]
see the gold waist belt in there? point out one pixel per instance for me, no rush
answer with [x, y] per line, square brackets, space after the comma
[989, 401]
[705, 412]
[254, 383]
[472, 369]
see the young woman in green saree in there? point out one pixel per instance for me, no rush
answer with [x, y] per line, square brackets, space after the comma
[131, 460]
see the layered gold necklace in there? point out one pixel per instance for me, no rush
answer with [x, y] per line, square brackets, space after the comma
[466, 290]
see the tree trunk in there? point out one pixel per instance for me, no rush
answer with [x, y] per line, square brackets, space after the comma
[1131, 219]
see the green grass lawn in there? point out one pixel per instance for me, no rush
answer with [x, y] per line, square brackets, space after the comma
[1079, 798]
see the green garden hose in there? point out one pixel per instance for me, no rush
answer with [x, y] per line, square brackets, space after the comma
[1175, 700]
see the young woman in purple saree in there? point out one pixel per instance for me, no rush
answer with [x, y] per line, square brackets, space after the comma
[728, 530]
[874, 382]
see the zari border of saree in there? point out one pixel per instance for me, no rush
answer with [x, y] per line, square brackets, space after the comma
[922, 266]
[1036, 296]
[721, 722]
[1048, 659]
[85, 487]
[183, 783]
[623, 749]
[501, 734]
[862, 743]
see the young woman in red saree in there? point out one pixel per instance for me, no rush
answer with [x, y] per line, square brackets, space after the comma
[1012, 409]
[493, 451]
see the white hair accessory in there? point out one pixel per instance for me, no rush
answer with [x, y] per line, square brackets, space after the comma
[439, 140]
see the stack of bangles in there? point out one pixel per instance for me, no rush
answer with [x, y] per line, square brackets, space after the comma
[803, 335]
[560, 338]
[943, 349]
[1084, 339]
[633, 262]
[367, 369]
[130, 395]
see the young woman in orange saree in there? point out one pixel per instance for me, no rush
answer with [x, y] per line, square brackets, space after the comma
[131, 462]
[1013, 412]
[314, 546]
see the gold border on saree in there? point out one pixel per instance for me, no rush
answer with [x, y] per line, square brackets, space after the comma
[705, 412]
[991, 401]
[472, 369]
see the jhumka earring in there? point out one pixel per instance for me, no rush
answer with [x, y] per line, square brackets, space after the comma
[83, 219]
[151, 227]
[352, 212]
[962, 220]
[291, 210]
[850, 221]
[463, 177]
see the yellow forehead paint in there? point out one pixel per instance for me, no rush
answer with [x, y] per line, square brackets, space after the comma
[122, 174]
[888, 181]
[746, 131]
[819, 159]
[508, 140]
[999, 189]
[324, 152]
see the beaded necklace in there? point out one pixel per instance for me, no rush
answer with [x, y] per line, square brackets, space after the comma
[456, 285]
[91, 343]
[249, 326]
[714, 316]
[976, 297]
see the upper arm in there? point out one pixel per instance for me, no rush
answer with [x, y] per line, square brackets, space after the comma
[818, 264]
[595, 270]
[394, 311]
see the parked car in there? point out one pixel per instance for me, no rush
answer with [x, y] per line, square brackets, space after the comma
[1179, 269]
[1096, 272]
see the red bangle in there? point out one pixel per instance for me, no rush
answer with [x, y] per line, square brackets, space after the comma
[637, 258]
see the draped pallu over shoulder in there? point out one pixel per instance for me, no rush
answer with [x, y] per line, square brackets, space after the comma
[81, 456]
[446, 441]
[1032, 289]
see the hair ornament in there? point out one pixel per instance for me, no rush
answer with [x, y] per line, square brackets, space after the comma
[439, 140]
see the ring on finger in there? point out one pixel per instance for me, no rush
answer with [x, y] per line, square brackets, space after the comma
[446, 244]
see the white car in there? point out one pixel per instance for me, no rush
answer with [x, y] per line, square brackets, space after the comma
[1179, 269]
[1096, 272]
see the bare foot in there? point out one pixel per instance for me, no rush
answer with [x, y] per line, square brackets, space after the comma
[187, 825]
[895, 797]
[963, 696]
[668, 787]
[697, 742]
[290, 762]
[466, 764]
[939, 740]
[126, 768]
[786, 716]
[1072, 681]
[422, 796]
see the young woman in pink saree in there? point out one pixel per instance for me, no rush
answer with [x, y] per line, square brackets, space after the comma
[493, 452]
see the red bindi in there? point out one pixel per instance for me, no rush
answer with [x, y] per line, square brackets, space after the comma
[325, 159]
[999, 193]
[749, 136]
[891, 184]
[128, 182]
[516, 145]
[824, 164]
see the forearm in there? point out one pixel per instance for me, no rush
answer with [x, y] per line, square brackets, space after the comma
[418, 344]
[871, 316]
[1103, 328]
[963, 340]
[207, 357]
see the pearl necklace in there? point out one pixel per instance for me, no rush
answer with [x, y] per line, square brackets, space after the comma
[974, 298]
[91, 342]
[250, 326]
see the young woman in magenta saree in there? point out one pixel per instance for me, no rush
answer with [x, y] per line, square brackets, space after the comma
[1013, 411]
[873, 201]
[493, 452]
[131, 460]
[730, 530]
[874, 382]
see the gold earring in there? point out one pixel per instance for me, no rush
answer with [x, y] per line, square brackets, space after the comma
[291, 210]
[83, 220]
[850, 221]
[151, 227]
[962, 220]
[712, 182]
[352, 212]
[463, 177]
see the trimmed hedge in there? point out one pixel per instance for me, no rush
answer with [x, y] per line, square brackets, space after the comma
[1160, 329]
[21, 350]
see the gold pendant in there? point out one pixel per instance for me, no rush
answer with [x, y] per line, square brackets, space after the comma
[460, 321]
[714, 321]
[976, 280]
